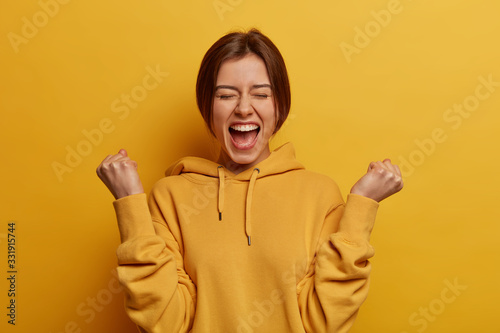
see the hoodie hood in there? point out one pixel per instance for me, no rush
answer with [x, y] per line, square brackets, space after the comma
[280, 160]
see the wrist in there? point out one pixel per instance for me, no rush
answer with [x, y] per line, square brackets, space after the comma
[366, 194]
[125, 193]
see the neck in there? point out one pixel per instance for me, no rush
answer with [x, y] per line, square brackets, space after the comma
[237, 168]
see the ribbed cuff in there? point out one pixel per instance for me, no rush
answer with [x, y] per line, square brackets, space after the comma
[134, 218]
[359, 217]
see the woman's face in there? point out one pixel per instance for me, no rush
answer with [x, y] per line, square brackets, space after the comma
[244, 116]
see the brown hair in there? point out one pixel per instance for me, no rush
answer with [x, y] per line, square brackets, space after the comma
[236, 45]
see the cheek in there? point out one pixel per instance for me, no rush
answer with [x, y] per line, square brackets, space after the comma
[218, 120]
[271, 119]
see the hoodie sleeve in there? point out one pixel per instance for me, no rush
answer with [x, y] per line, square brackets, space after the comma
[160, 296]
[337, 283]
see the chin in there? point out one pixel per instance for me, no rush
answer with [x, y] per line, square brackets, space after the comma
[243, 159]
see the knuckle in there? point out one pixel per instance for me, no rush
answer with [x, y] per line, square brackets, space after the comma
[398, 182]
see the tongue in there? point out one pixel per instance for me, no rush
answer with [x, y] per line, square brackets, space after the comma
[244, 138]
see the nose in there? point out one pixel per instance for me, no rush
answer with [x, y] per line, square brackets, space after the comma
[244, 107]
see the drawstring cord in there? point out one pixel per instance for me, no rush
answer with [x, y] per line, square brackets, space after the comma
[248, 220]
[220, 204]
[248, 207]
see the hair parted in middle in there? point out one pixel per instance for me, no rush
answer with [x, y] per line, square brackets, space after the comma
[236, 45]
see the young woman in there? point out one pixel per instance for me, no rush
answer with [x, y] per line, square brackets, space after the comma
[252, 242]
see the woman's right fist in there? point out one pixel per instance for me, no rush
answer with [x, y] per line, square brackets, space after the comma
[119, 174]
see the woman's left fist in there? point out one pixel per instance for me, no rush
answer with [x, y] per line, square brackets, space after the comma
[382, 180]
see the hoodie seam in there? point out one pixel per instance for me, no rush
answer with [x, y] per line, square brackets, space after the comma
[332, 208]
[200, 182]
[213, 180]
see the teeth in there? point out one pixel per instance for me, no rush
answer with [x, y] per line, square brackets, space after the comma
[244, 128]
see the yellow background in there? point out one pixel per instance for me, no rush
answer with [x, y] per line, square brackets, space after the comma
[347, 109]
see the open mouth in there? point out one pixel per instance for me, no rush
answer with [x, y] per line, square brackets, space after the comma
[244, 136]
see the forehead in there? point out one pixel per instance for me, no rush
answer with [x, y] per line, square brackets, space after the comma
[248, 70]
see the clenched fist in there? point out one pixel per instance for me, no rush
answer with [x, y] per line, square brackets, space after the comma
[119, 173]
[382, 180]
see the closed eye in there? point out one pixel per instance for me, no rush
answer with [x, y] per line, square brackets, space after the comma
[226, 96]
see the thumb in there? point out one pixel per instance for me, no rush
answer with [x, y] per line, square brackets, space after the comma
[123, 152]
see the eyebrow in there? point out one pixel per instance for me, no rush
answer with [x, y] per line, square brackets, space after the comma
[255, 86]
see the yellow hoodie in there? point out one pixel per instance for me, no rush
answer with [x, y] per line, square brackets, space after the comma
[272, 249]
